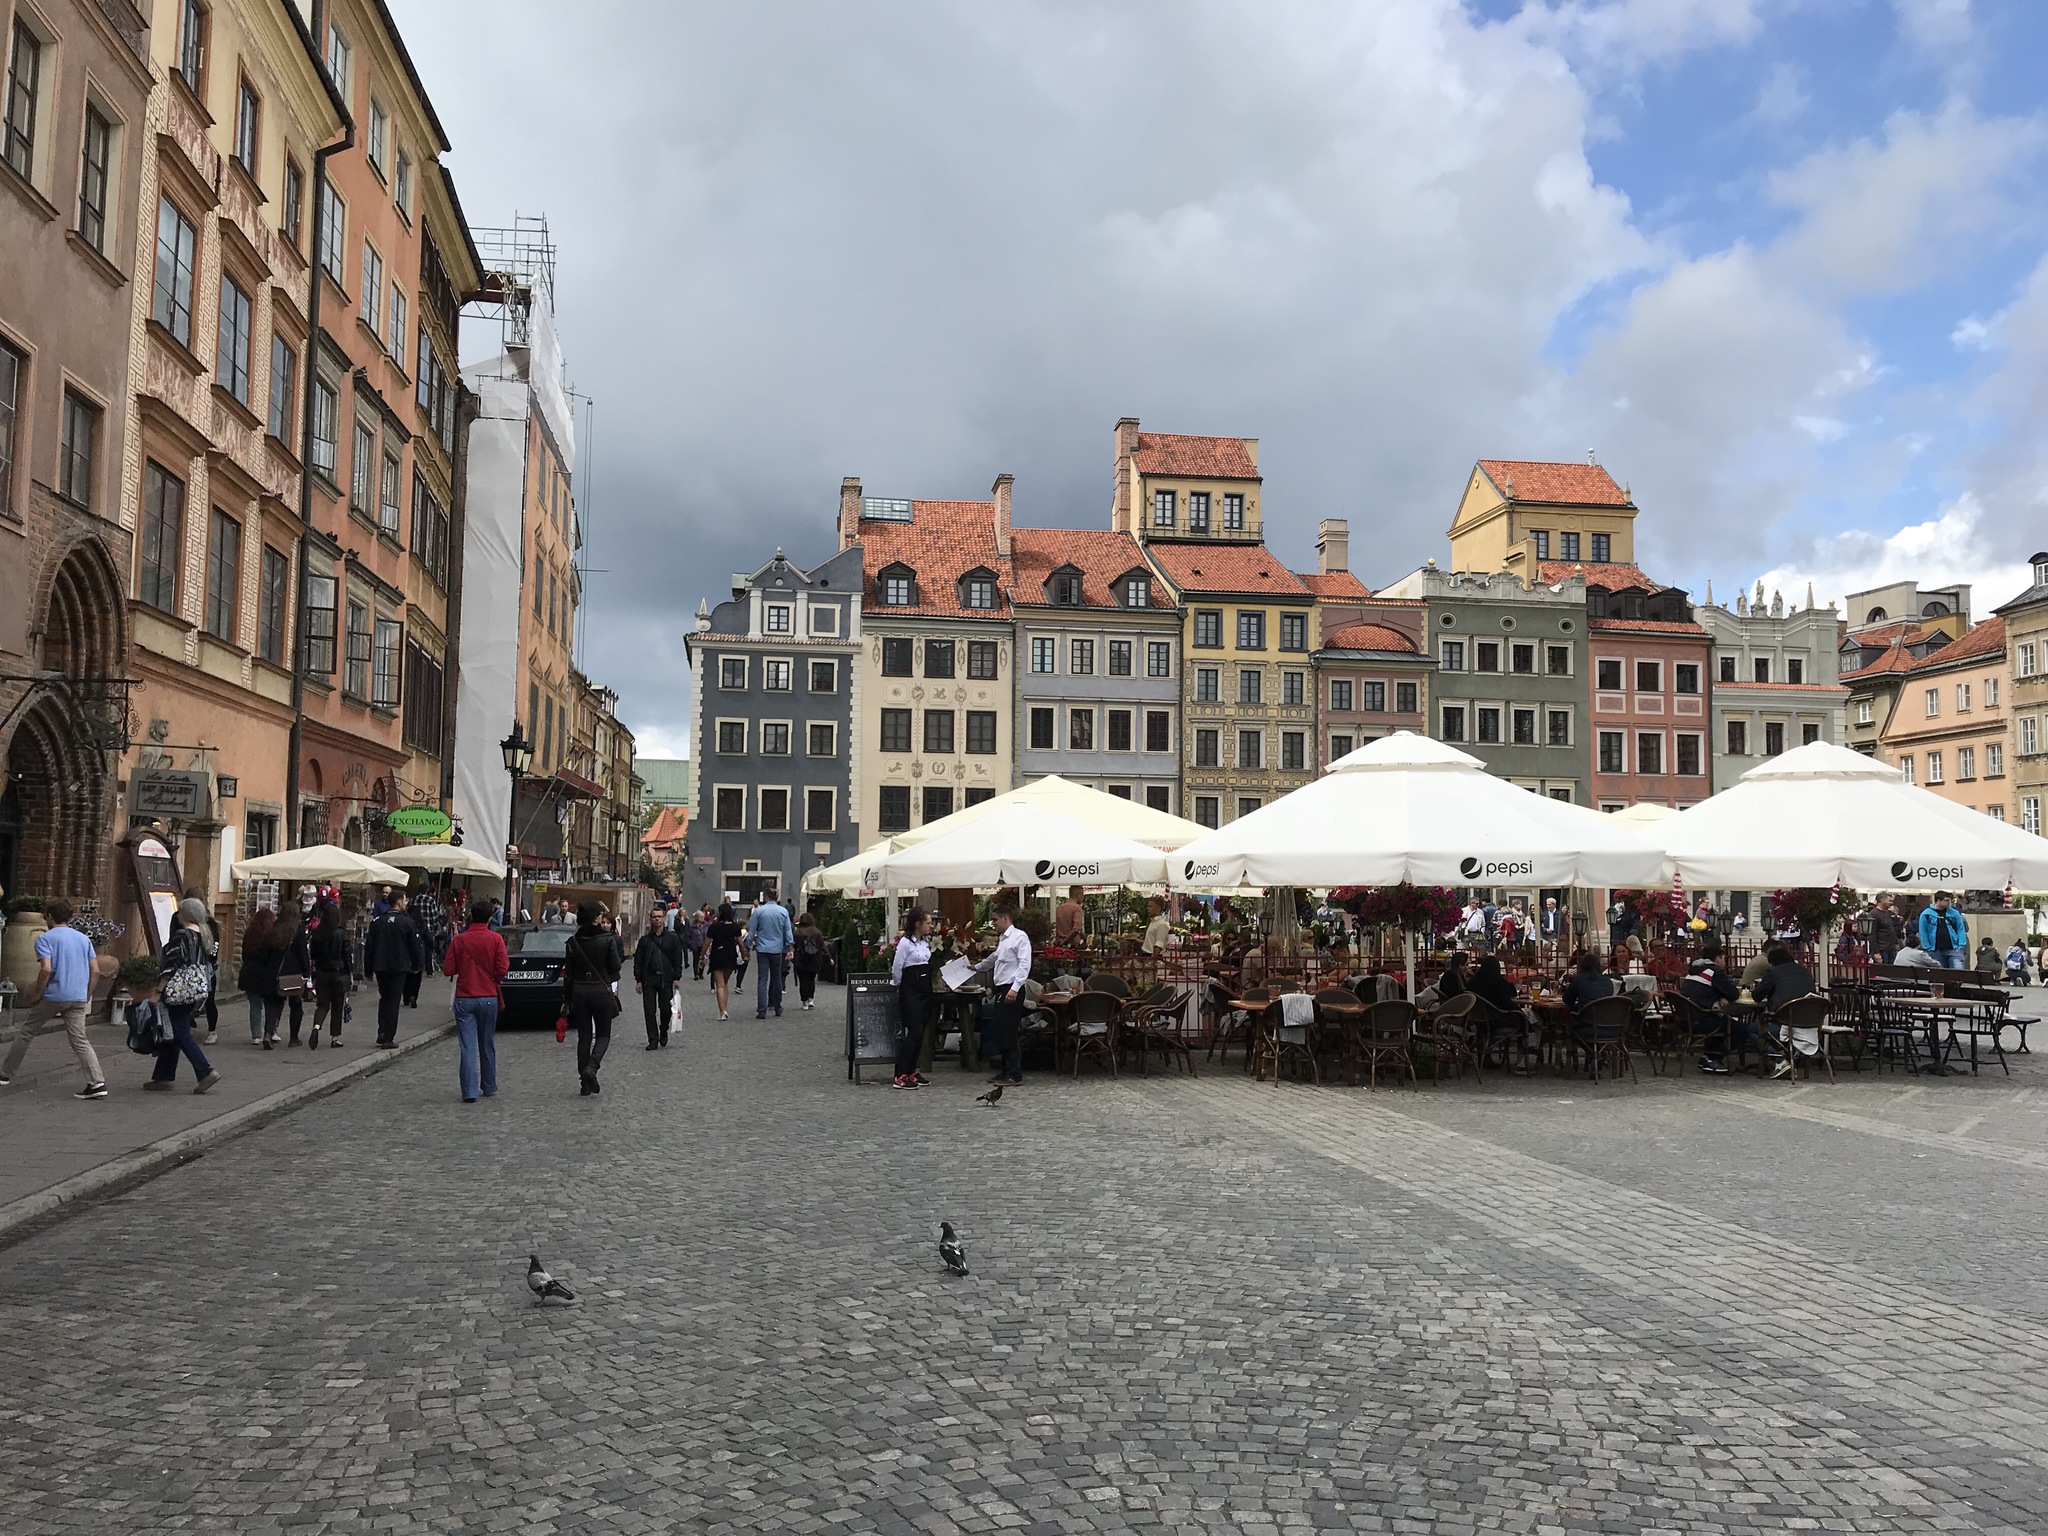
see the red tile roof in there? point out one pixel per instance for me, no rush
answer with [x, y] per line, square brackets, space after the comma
[1884, 634]
[1644, 627]
[671, 826]
[1978, 640]
[1334, 585]
[1194, 458]
[1101, 557]
[1368, 637]
[1896, 658]
[1609, 575]
[1248, 568]
[1794, 687]
[1571, 485]
[942, 542]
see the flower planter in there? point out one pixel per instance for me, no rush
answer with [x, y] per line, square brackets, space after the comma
[18, 949]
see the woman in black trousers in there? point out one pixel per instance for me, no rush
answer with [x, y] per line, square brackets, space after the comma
[912, 971]
[588, 1001]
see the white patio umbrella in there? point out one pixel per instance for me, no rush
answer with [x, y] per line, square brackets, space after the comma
[440, 856]
[1822, 815]
[1019, 845]
[1405, 808]
[322, 861]
[1063, 797]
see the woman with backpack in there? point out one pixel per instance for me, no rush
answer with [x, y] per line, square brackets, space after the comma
[811, 956]
[186, 970]
[334, 965]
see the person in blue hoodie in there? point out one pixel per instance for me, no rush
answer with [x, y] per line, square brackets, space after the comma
[1945, 934]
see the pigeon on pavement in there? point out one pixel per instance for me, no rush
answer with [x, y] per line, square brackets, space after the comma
[993, 1096]
[543, 1284]
[952, 1250]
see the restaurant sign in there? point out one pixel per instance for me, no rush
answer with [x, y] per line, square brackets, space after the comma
[168, 792]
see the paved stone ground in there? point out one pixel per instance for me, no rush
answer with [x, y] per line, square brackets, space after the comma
[1524, 1306]
[47, 1136]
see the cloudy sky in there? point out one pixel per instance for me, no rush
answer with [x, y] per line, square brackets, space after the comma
[1783, 264]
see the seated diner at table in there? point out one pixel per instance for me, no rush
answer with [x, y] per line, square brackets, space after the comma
[1490, 983]
[1709, 985]
[1586, 983]
[1785, 980]
[1452, 982]
[1913, 956]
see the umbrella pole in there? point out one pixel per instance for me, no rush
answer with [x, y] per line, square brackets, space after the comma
[1408, 951]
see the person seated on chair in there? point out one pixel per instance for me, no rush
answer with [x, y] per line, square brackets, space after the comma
[1452, 982]
[1785, 981]
[1914, 957]
[1490, 984]
[1709, 986]
[1587, 983]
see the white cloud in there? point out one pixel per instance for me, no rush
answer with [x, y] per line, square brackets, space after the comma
[1626, 34]
[1949, 547]
[1937, 25]
[1782, 97]
[1970, 335]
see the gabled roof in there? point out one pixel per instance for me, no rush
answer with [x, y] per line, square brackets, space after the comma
[1100, 556]
[1981, 639]
[1882, 634]
[942, 542]
[1194, 458]
[1609, 575]
[1248, 568]
[1334, 585]
[1368, 637]
[672, 825]
[1568, 485]
[666, 780]
[1896, 658]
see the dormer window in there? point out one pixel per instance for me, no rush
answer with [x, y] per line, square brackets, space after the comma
[778, 619]
[896, 586]
[2041, 570]
[1596, 602]
[978, 589]
[1063, 587]
[1137, 591]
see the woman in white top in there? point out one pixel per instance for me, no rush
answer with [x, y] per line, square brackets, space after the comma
[911, 971]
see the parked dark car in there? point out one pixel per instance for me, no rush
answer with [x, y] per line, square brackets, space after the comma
[533, 984]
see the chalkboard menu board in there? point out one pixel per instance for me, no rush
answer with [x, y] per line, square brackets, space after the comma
[873, 1022]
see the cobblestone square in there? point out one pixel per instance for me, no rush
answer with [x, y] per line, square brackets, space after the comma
[1692, 1305]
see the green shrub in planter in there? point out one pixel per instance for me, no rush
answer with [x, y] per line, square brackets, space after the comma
[137, 971]
[16, 905]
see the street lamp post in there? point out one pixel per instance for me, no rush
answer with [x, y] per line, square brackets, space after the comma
[518, 755]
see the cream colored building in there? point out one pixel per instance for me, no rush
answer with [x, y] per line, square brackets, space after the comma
[1515, 514]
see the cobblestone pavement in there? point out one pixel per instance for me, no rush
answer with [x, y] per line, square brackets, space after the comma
[1536, 1306]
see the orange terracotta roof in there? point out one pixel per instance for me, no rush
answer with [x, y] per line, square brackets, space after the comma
[671, 826]
[1368, 637]
[1570, 485]
[1644, 627]
[1794, 687]
[1100, 556]
[942, 542]
[1248, 568]
[1334, 585]
[1896, 658]
[1883, 634]
[1978, 640]
[1609, 576]
[1194, 458]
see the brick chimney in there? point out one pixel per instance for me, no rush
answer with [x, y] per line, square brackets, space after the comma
[1001, 492]
[1121, 518]
[1333, 545]
[849, 512]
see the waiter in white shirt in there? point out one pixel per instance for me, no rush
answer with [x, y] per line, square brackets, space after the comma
[1009, 968]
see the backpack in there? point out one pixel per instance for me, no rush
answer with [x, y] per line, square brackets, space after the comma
[146, 1028]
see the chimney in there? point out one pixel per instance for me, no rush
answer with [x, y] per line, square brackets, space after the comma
[1001, 491]
[1333, 545]
[1121, 518]
[849, 512]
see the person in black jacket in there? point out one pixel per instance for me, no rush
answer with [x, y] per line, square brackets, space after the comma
[589, 1003]
[657, 966]
[393, 949]
[257, 976]
[427, 912]
[334, 969]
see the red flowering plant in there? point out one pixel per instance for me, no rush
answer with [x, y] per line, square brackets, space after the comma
[1651, 909]
[1415, 908]
[1811, 910]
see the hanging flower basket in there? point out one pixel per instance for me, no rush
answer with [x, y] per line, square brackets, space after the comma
[1812, 910]
[1411, 908]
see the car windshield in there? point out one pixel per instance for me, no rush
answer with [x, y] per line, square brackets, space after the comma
[546, 942]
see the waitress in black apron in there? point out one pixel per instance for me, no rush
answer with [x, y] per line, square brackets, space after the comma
[911, 970]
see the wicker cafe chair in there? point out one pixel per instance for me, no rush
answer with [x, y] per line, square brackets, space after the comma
[1601, 1029]
[1271, 1046]
[1457, 1038]
[1898, 1035]
[1236, 1026]
[1114, 986]
[1093, 1032]
[1161, 1026]
[1387, 1040]
[1801, 1021]
[1337, 1033]
[1985, 1021]
[1697, 1030]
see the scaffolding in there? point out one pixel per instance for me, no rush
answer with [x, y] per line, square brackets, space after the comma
[518, 262]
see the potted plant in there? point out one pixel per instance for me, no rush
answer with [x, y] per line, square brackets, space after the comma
[25, 924]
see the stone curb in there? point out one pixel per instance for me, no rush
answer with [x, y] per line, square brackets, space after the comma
[19, 1217]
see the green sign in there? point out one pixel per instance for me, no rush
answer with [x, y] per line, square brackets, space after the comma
[418, 821]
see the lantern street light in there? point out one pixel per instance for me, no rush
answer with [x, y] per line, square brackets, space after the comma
[518, 754]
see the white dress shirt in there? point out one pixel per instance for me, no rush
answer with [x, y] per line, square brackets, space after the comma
[909, 951]
[1010, 965]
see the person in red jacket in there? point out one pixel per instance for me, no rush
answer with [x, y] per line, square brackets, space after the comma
[477, 960]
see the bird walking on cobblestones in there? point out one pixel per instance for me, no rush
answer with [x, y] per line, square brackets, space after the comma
[952, 1250]
[543, 1284]
[992, 1097]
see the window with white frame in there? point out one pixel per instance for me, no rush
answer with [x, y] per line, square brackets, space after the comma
[1340, 695]
[1962, 698]
[1934, 770]
[378, 149]
[2030, 813]
[775, 674]
[1966, 764]
[2026, 659]
[1933, 702]
[1158, 658]
[1081, 658]
[1250, 749]
[820, 809]
[1865, 711]
[1045, 654]
[1163, 509]
[1208, 682]
[2030, 735]
[1991, 693]
[775, 738]
[776, 618]
[1994, 759]
[821, 738]
[1906, 767]
[732, 672]
[371, 300]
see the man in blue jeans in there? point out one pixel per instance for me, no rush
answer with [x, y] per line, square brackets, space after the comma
[64, 973]
[769, 936]
[1945, 935]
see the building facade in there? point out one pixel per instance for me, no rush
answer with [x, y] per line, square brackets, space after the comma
[1873, 666]
[1648, 664]
[2026, 623]
[777, 679]
[1510, 681]
[1951, 730]
[937, 695]
[1776, 679]
[1372, 675]
[1515, 514]
[79, 129]
[1098, 674]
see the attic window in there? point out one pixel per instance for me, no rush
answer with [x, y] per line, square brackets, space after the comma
[1066, 588]
[884, 509]
[896, 586]
[978, 589]
[1137, 592]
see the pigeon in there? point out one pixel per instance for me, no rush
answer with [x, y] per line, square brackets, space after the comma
[993, 1096]
[952, 1250]
[543, 1284]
